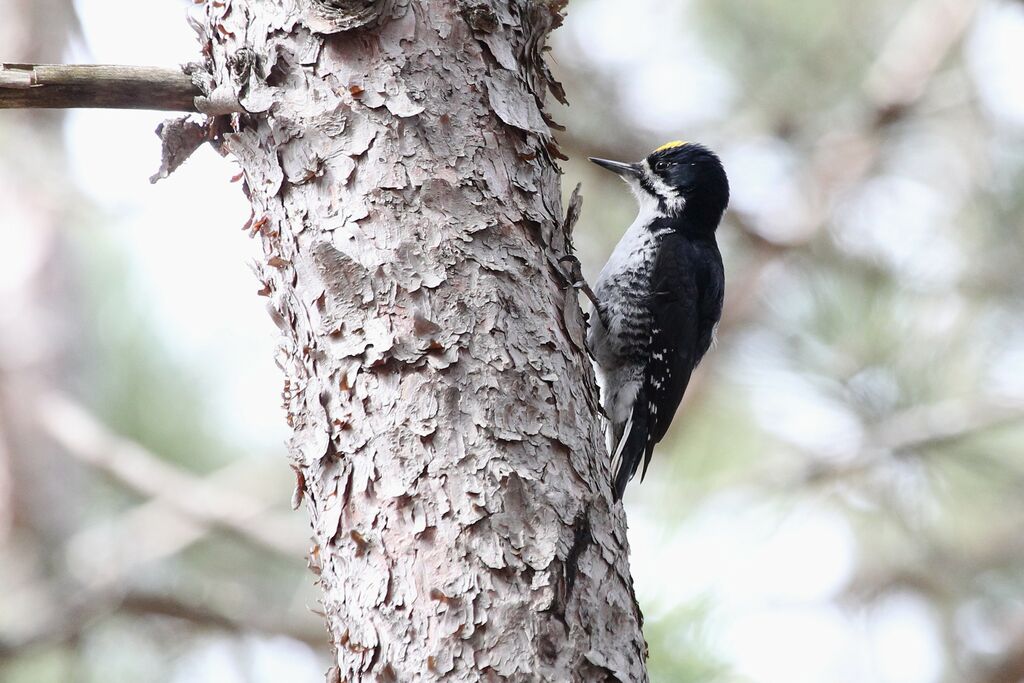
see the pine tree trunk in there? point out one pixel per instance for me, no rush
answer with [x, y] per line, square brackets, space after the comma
[443, 407]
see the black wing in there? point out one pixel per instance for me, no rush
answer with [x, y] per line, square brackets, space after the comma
[686, 304]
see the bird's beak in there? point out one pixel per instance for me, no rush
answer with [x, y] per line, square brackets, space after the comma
[618, 168]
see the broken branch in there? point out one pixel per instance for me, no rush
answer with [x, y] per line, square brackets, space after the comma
[99, 86]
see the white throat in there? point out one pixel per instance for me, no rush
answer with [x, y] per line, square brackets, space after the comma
[648, 206]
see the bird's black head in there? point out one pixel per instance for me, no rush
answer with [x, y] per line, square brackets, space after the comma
[679, 179]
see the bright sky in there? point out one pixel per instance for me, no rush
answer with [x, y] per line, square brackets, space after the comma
[771, 573]
[189, 223]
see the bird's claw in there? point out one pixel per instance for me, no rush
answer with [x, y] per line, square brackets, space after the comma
[575, 279]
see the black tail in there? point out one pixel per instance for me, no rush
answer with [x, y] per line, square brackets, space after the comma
[633, 447]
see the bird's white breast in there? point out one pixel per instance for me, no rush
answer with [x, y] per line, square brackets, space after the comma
[624, 280]
[635, 247]
[621, 287]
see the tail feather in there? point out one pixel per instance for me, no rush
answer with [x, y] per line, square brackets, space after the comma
[631, 449]
[620, 437]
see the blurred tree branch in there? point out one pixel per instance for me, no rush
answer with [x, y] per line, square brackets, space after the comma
[111, 551]
[248, 618]
[945, 576]
[1007, 669]
[924, 426]
[946, 570]
[87, 440]
[918, 428]
[74, 619]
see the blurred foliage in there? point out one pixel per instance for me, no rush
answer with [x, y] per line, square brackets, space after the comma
[680, 649]
[135, 382]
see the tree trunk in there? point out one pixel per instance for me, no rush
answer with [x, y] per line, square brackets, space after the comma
[446, 435]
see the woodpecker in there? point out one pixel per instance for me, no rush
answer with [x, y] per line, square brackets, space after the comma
[658, 298]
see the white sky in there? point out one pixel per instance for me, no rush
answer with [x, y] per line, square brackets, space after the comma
[189, 223]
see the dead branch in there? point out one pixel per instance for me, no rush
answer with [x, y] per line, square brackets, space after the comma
[100, 86]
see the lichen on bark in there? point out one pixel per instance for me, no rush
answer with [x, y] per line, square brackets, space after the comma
[444, 412]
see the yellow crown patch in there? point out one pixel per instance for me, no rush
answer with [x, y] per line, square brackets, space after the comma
[670, 145]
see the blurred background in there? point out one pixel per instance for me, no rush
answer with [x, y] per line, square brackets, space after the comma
[841, 499]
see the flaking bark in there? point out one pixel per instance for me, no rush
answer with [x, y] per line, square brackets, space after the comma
[446, 435]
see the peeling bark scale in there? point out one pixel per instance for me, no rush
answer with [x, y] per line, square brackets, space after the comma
[446, 436]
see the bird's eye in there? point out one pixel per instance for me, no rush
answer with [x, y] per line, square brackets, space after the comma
[660, 165]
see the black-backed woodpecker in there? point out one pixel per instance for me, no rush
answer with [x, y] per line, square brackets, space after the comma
[659, 298]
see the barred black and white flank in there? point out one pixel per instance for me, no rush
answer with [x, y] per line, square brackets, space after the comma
[660, 298]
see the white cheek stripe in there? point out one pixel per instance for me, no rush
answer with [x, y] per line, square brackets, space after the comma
[672, 198]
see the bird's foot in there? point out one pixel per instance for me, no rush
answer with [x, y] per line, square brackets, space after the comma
[574, 278]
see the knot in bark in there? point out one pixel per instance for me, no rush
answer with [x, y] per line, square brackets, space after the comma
[479, 15]
[335, 16]
[242, 61]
